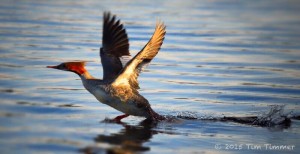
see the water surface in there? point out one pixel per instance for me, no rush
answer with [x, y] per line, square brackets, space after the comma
[219, 58]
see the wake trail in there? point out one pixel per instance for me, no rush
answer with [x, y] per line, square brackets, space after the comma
[275, 117]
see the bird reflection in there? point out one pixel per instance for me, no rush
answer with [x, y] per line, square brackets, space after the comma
[130, 139]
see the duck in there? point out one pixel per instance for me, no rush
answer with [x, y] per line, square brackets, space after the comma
[119, 87]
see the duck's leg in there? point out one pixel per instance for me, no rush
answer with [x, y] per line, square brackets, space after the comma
[120, 117]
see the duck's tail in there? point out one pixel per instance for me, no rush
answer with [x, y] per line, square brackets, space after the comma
[155, 116]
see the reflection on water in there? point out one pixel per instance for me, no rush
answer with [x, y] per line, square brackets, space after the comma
[219, 58]
[130, 139]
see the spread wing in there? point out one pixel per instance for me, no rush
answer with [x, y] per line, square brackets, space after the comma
[115, 46]
[129, 74]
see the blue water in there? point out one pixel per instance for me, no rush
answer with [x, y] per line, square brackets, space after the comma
[219, 58]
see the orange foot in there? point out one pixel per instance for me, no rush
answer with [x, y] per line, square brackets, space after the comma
[120, 117]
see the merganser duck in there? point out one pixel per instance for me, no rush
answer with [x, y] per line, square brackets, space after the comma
[119, 86]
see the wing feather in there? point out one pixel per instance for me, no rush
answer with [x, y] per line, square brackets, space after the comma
[114, 45]
[130, 72]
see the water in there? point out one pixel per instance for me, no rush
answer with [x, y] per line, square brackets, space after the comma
[219, 58]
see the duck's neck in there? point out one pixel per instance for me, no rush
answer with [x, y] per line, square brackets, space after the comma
[86, 75]
[86, 78]
[81, 71]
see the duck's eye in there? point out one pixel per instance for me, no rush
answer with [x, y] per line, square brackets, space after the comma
[62, 66]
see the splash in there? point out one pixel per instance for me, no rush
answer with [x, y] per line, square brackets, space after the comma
[274, 117]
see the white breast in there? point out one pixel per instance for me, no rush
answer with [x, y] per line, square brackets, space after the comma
[106, 98]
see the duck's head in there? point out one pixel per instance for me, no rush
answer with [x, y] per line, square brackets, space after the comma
[76, 67]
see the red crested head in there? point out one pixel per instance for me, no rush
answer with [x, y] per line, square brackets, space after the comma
[76, 67]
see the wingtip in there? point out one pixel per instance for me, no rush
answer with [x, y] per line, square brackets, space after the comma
[106, 13]
[108, 17]
[161, 25]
